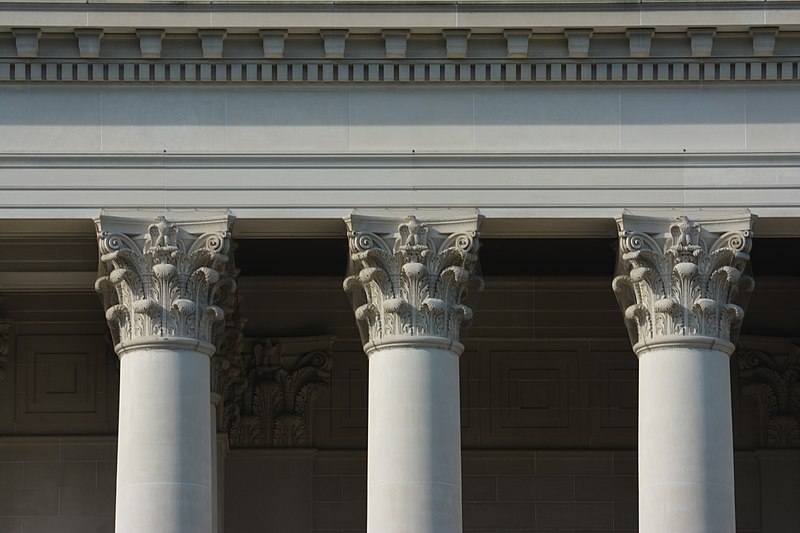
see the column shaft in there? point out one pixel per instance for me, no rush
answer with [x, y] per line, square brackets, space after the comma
[164, 454]
[215, 481]
[414, 446]
[160, 284]
[680, 286]
[409, 280]
[685, 441]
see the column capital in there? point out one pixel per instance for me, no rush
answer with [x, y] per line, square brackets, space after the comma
[162, 283]
[681, 278]
[408, 279]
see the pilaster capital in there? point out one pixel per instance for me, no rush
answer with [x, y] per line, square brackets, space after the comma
[275, 390]
[229, 342]
[164, 283]
[5, 341]
[408, 278]
[769, 371]
[682, 278]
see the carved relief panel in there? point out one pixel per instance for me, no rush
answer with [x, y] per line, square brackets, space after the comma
[769, 373]
[274, 387]
[4, 345]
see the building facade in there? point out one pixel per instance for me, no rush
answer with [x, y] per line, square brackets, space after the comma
[479, 266]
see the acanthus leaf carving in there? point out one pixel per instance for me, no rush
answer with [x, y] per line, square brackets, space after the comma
[411, 280]
[774, 381]
[685, 283]
[280, 383]
[227, 379]
[164, 283]
[5, 341]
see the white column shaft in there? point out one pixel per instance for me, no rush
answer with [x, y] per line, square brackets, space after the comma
[414, 445]
[214, 469]
[164, 455]
[685, 441]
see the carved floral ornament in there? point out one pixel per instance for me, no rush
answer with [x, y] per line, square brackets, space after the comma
[166, 283]
[684, 283]
[226, 364]
[4, 343]
[410, 280]
[273, 391]
[226, 370]
[773, 379]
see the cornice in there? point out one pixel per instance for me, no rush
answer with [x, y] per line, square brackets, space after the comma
[331, 7]
[404, 44]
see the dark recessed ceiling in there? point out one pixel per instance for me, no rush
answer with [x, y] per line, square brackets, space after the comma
[499, 257]
[775, 257]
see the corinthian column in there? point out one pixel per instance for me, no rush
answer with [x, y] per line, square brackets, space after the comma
[160, 285]
[679, 292]
[408, 282]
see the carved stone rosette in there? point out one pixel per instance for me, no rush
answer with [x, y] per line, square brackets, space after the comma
[683, 283]
[277, 387]
[774, 381]
[5, 328]
[166, 283]
[412, 278]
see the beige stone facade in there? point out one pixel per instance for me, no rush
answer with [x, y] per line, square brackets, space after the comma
[441, 267]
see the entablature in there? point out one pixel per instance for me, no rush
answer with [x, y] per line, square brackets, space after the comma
[399, 56]
[381, 42]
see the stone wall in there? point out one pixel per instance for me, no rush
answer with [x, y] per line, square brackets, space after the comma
[57, 484]
[503, 491]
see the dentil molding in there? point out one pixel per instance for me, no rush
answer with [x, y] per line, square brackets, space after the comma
[380, 53]
[409, 278]
[408, 72]
[682, 279]
[165, 283]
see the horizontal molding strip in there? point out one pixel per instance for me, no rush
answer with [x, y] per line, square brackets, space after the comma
[417, 160]
[242, 14]
[382, 72]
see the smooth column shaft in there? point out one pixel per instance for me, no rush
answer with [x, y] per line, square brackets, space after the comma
[215, 514]
[685, 441]
[414, 445]
[164, 454]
